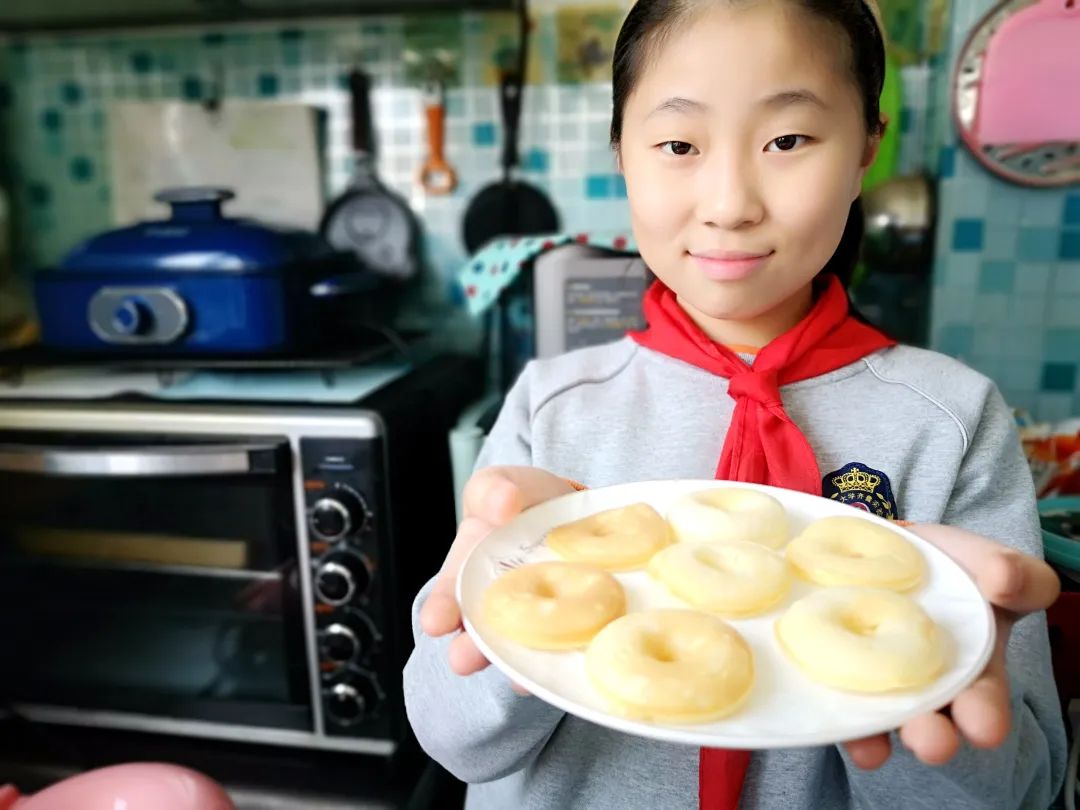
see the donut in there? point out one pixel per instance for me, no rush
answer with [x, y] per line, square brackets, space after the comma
[553, 605]
[852, 551]
[862, 639]
[736, 578]
[670, 666]
[731, 513]
[615, 540]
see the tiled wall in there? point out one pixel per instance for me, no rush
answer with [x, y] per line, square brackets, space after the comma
[54, 92]
[1007, 272]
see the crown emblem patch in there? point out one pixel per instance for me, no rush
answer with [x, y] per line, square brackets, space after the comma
[862, 487]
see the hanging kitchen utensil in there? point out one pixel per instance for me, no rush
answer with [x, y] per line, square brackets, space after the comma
[368, 219]
[510, 207]
[1016, 99]
[437, 176]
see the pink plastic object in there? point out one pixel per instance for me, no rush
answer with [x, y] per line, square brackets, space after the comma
[136, 786]
[1030, 88]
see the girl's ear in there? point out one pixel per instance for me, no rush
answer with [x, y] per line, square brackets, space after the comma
[870, 153]
[873, 144]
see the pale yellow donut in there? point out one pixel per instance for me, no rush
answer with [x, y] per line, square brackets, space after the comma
[853, 551]
[670, 666]
[862, 639]
[736, 578]
[731, 513]
[553, 605]
[615, 540]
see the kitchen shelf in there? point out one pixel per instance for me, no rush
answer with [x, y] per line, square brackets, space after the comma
[44, 16]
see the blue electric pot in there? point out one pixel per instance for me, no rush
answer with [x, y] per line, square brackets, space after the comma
[198, 283]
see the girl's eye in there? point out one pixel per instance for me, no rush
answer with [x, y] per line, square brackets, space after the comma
[785, 143]
[677, 148]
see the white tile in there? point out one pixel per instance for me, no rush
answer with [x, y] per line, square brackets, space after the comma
[991, 309]
[1033, 277]
[1023, 343]
[1064, 310]
[1041, 208]
[962, 271]
[1020, 375]
[1067, 278]
[1054, 407]
[1027, 310]
[988, 341]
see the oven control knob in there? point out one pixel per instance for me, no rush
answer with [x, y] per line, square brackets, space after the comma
[344, 641]
[340, 578]
[338, 515]
[350, 701]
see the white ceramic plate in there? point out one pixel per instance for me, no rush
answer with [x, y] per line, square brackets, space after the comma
[785, 708]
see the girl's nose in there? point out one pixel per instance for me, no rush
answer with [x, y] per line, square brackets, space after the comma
[728, 193]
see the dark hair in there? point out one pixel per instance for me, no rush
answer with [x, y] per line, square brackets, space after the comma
[649, 21]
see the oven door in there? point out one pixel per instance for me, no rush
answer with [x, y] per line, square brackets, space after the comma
[152, 577]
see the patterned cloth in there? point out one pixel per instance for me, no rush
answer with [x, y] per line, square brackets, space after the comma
[496, 266]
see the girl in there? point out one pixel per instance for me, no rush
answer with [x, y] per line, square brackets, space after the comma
[743, 129]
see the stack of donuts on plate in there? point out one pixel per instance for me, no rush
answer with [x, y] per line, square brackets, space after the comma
[719, 552]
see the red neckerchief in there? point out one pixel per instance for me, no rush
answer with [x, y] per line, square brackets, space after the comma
[763, 445]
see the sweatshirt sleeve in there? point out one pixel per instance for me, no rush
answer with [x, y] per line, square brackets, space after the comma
[476, 726]
[993, 495]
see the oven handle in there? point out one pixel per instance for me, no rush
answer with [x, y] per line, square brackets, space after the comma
[157, 460]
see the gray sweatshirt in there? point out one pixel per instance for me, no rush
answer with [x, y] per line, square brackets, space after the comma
[906, 433]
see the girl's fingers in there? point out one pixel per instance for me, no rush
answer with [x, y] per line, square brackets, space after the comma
[931, 737]
[983, 712]
[496, 495]
[869, 752]
[1016, 582]
[440, 613]
[465, 658]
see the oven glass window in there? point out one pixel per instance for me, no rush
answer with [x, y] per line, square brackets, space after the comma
[152, 578]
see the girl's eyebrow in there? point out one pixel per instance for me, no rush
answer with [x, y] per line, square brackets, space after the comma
[787, 98]
[678, 104]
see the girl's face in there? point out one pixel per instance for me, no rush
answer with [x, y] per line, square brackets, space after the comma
[744, 144]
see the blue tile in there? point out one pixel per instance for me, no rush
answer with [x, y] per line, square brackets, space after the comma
[598, 187]
[1061, 345]
[142, 62]
[947, 161]
[51, 120]
[72, 93]
[1038, 244]
[1072, 209]
[268, 85]
[967, 235]
[483, 134]
[997, 277]
[39, 194]
[191, 88]
[1059, 376]
[1070, 245]
[82, 169]
[536, 160]
[906, 116]
[956, 339]
[620, 186]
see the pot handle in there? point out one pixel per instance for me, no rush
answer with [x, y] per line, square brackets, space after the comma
[195, 203]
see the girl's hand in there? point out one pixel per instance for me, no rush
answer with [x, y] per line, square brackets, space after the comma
[1015, 584]
[492, 497]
